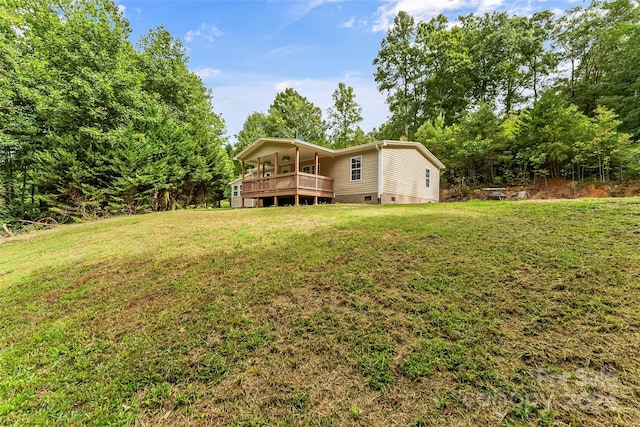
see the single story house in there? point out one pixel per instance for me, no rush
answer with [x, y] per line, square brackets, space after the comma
[284, 171]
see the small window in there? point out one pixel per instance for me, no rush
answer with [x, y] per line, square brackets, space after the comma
[235, 191]
[356, 168]
[428, 177]
[367, 198]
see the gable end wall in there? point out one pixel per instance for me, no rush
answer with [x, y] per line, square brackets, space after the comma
[404, 177]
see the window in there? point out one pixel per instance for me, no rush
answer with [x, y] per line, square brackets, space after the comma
[309, 169]
[356, 168]
[428, 177]
[235, 191]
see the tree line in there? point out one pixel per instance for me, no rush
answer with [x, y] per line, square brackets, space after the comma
[92, 125]
[502, 99]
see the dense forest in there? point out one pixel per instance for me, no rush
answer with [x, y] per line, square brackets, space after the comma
[501, 99]
[92, 125]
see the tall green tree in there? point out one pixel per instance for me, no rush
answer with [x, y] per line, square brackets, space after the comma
[538, 60]
[398, 71]
[344, 117]
[255, 126]
[293, 116]
[444, 85]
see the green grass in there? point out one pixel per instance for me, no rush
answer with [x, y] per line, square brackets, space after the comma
[494, 313]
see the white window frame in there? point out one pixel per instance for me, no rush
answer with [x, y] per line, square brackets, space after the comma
[309, 169]
[428, 177]
[236, 191]
[353, 169]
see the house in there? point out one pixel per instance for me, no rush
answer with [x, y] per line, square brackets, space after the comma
[284, 171]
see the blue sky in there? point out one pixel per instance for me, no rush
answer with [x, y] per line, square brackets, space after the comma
[246, 51]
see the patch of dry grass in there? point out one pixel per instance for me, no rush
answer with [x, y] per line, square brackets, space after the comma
[460, 314]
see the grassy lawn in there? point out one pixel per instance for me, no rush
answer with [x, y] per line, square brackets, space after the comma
[492, 313]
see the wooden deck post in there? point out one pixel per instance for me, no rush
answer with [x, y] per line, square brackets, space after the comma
[297, 197]
[317, 170]
[242, 181]
[275, 173]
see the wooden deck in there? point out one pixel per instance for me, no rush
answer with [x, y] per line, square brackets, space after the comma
[288, 184]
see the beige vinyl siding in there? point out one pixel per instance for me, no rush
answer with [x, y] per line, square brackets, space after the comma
[268, 149]
[236, 202]
[404, 174]
[339, 168]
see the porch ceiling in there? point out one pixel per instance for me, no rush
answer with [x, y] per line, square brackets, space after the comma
[266, 149]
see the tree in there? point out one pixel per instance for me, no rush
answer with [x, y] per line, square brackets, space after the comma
[538, 61]
[398, 70]
[344, 116]
[255, 126]
[293, 116]
[444, 85]
[199, 155]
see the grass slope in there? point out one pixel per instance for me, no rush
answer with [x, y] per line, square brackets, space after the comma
[494, 313]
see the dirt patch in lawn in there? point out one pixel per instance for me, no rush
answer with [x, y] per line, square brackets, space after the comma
[555, 188]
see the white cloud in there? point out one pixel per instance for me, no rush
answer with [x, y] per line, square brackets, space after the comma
[207, 32]
[424, 10]
[191, 34]
[207, 72]
[348, 24]
[488, 6]
[122, 9]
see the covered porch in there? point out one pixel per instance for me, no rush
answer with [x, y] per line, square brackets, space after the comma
[279, 171]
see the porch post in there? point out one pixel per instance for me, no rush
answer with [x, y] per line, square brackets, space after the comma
[258, 184]
[241, 187]
[317, 167]
[297, 197]
[276, 172]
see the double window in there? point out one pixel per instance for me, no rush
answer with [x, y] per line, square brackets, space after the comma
[237, 190]
[428, 177]
[356, 168]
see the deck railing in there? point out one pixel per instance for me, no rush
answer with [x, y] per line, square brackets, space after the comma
[288, 184]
